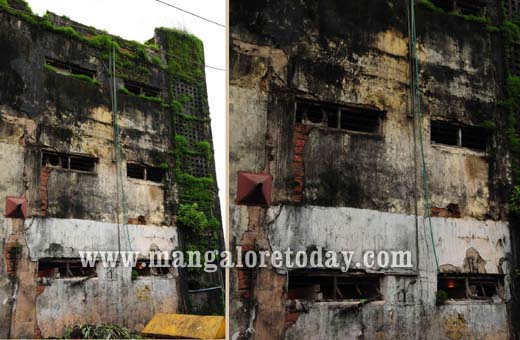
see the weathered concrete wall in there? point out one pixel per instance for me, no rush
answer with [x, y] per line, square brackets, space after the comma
[94, 301]
[383, 321]
[356, 52]
[71, 211]
[64, 238]
[361, 230]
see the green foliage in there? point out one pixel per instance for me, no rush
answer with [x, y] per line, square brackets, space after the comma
[186, 56]
[492, 29]
[71, 75]
[429, 5]
[104, 41]
[488, 124]
[163, 166]
[135, 275]
[514, 201]
[190, 216]
[510, 32]
[204, 148]
[441, 297]
[124, 90]
[472, 18]
[103, 331]
[4, 3]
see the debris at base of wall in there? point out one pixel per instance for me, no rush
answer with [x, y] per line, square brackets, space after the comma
[103, 331]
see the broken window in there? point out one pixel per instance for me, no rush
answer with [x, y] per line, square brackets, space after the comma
[350, 118]
[444, 133]
[470, 286]
[464, 7]
[360, 120]
[465, 136]
[143, 268]
[513, 59]
[138, 89]
[66, 161]
[144, 172]
[324, 286]
[63, 268]
[68, 68]
[511, 8]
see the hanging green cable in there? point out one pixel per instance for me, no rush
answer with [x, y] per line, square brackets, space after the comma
[118, 151]
[420, 122]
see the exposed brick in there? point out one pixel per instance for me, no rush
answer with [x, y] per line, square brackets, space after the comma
[291, 318]
[44, 178]
[249, 238]
[40, 289]
[243, 278]
[299, 142]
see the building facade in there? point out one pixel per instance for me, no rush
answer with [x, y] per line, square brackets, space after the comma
[322, 99]
[109, 143]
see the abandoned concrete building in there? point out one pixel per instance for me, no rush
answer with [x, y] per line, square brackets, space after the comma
[324, 97]
[106, 146]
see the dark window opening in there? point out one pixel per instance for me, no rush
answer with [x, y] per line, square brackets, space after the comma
[511, 9]
[464, 7]
[135, 171]
[68, 161]
[360, 120]
[513, 59]
[154, 174]
[352, 118]
[144, 172]
[471, 7]
[471, 286]
[323, 286]
[69, 68]
[142, 268]
[445, 5]
[444, 133]
[470, 137]
[63, 268]
[142, 89]
[82, 164]
[474, 138]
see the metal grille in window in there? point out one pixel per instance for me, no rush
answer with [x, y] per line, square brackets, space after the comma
[194, 105]
[464, 7]
[66, 161]
[193, 130]
[471, 286]
[353, 118]
[194, 165]
[511, 8]
[513, 59]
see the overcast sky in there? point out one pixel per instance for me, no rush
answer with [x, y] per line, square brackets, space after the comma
[137, 19]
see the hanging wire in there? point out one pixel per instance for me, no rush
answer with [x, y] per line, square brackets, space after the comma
[417, 94]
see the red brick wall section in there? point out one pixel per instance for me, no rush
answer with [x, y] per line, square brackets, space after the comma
[11, 258]
[245, 275]
[301, 135]
[44, 179]
[291, 318]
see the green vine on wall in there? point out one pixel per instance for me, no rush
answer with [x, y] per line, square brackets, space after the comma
[196, 194]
